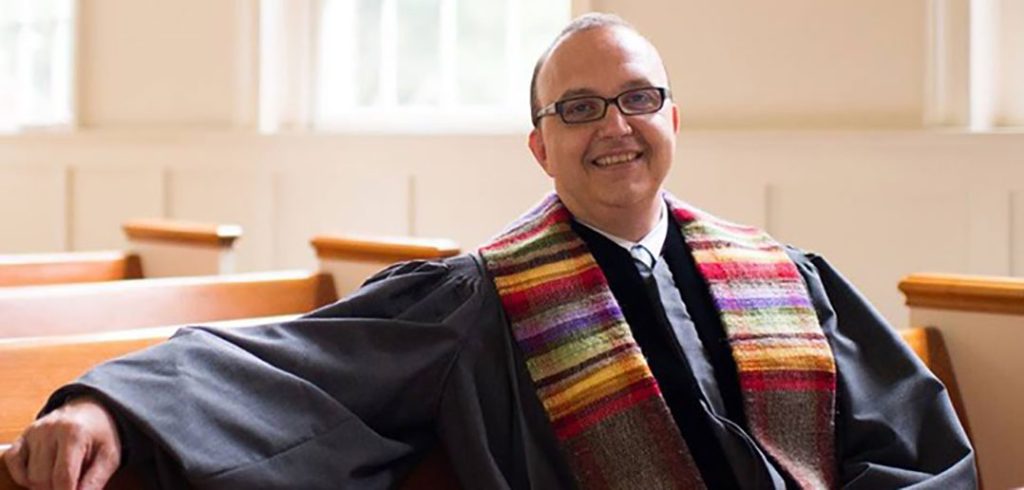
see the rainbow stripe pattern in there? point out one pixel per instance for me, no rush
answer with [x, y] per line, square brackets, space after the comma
[602, 400]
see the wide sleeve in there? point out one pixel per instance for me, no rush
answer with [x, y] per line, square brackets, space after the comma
[895, 425]
[344, 397]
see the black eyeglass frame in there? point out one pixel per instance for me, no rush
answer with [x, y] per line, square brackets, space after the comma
[557, 106]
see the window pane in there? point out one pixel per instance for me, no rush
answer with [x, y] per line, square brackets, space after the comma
[9, 11]
[414, 63]
[368, 52]
[538, 32]
[8, 82]
[419, 52]
[35, 62]
[482, 58]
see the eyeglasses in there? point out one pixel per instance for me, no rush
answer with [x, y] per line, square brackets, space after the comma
[589, 108]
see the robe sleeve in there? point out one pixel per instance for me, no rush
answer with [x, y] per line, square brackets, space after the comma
[895, 425]
[345, 397]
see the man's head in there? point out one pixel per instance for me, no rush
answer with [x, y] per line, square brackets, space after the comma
[616, 164]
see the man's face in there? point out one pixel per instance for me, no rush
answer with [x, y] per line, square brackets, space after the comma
[616, 163]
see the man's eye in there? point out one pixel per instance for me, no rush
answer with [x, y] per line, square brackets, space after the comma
[638, 99]
[580, 107]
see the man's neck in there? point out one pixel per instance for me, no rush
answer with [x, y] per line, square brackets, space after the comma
[631, 223]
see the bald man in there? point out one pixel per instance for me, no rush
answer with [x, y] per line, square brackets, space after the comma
[612, 337]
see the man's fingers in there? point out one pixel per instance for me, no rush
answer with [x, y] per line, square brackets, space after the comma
[40, 465]
[102, 466]
[16, 459]
[68, 466]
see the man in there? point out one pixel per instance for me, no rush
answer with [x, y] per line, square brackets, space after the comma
[613, 337]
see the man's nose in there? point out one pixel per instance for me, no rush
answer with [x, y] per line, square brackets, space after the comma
[614, 123]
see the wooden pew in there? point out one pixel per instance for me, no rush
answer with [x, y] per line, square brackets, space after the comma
[32, 367]
[929, 346]
[64, 309]
[182, 248]
[345, 262]
[157, 248]
[980, 318]
[351, 259]
[69, 267]
[29, 372]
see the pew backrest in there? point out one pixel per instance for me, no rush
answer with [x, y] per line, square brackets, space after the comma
[66, 268]
[117, 305]
[156, 248]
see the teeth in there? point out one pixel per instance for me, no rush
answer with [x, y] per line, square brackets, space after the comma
[614, 159]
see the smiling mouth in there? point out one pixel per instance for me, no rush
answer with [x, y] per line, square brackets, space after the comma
[618, 159]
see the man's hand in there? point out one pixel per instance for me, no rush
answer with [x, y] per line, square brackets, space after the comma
[73, 447]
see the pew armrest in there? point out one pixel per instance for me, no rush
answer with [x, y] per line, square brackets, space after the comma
[352, 259]
[183, 248]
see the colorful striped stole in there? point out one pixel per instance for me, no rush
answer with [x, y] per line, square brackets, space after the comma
[602, 400]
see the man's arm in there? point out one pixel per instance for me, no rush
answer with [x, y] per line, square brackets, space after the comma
[73, 447]
[895, 425]
[345, 396]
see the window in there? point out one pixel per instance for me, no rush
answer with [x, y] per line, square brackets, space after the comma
[975, 64]
[410, 65]
[36, 55]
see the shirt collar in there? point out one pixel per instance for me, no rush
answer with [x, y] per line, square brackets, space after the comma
[653, 241]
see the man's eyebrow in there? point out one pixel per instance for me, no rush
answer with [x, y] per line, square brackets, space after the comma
[579, 92]
[636, 83]
[576, 92]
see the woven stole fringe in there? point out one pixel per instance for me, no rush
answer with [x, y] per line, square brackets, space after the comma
[600, 396]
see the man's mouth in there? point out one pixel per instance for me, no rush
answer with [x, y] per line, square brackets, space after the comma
[617, 159]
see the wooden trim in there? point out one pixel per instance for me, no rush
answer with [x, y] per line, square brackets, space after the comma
[117, 305]
[70, 267]
[985, 294]
[133, 267]
[929, 346]
[183, 232]
[381, 249]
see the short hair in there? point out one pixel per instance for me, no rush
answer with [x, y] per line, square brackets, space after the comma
[585, 22]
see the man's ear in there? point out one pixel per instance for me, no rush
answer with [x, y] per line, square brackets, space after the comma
[540, 152]
[675, 118]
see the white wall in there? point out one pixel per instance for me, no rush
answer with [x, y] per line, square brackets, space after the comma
[880, 204]
[153, 63]
[790, 63]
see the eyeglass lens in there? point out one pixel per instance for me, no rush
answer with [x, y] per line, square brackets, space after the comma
[631, 102]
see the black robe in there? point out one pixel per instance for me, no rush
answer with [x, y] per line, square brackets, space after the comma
[351, 395]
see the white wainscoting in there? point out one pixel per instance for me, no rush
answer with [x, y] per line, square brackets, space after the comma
[104, 196]
[33, 208]
[1017, 231]
[878, 204]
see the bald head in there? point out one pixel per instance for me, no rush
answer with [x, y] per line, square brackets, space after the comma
[583, 23]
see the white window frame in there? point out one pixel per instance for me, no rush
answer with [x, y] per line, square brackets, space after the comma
[63, 111]
[295, 108]
[975, 65]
